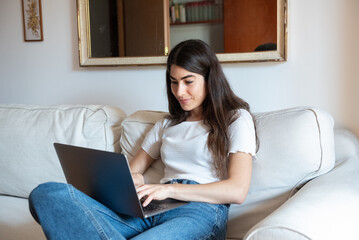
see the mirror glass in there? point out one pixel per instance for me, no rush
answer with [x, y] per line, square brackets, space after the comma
[142, 32]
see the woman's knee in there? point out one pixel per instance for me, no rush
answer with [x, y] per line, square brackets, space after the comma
[46, 190]
[43, 193]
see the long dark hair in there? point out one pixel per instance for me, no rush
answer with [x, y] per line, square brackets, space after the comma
[220, 104]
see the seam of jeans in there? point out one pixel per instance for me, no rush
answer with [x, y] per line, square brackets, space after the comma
[156, 219]
[119, 220]
[88, 213]
[223, 208]
[212, 233]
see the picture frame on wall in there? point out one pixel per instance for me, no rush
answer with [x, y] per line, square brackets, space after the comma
[32, 18]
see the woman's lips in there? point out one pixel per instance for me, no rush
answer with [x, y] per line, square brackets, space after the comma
[184, 101]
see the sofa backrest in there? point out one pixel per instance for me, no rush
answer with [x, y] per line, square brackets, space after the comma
[27, 134]
[296, 145]
[133, 131]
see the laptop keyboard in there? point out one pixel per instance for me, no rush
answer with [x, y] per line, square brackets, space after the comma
[153, 206]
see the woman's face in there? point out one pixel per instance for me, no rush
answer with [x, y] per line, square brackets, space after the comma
[189, 89]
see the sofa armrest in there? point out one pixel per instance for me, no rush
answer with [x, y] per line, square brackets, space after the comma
[325, 208]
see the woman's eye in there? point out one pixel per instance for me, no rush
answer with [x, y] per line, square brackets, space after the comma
[173, 82]
[189, 82]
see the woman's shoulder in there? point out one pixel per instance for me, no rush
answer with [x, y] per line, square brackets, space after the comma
[243, 114]
[163, 123]
[243, 118]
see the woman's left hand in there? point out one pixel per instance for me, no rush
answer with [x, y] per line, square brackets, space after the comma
[153, 192]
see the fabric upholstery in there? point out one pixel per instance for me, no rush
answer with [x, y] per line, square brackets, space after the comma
[296, 145]
[16, 222]
[325, 208]
[27, 134]
[133, 131]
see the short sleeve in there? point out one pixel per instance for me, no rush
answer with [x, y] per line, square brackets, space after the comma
[153, 140]
[242, 134]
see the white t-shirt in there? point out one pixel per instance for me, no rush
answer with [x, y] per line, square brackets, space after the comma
[184, 151]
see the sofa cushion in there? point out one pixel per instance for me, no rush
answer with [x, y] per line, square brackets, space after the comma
[27, 134]
[133, 131]
[16, 222]
[296, 145]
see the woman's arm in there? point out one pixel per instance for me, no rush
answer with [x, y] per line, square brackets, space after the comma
[138, 165]
[234, 189]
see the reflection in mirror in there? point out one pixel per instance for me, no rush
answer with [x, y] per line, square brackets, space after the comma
[128, 27]
[228, 26]
[104, 28]
[127, 32]
[197, 20]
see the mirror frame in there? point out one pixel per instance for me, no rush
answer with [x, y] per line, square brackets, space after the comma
[85, 47]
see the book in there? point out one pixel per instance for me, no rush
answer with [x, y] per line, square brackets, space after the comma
[182, 13]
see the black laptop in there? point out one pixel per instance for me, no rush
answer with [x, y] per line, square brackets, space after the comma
[106, 177]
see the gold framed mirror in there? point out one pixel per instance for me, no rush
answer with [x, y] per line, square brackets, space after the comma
[88, 57]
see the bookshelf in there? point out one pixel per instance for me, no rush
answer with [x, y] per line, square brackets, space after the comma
[194, 19]
[198, 22]
[194, 11]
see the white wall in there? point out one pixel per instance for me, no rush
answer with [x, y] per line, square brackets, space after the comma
[212, 34]
[322, 69]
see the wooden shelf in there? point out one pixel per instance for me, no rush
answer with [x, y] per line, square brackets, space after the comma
[197, 22]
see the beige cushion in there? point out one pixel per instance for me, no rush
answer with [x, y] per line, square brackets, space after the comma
[296, 145]
[16, 222]
[133, 131]
[27, 134]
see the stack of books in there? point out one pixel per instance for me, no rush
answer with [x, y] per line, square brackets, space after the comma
[197, 11]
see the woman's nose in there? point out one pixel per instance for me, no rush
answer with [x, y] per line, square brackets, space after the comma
[180, 89]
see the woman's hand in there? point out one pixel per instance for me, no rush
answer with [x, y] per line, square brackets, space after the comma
[153, 192]
[138, 179]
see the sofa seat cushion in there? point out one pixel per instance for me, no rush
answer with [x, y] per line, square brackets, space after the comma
[27, 134]
[16, 222]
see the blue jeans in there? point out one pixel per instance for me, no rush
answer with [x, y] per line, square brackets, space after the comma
[66, 213]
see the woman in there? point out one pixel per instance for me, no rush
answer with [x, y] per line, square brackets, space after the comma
[207, 143]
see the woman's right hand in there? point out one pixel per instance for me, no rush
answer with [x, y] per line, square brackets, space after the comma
[138, 179]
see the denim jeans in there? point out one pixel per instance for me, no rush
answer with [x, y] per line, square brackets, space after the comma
[66, 213]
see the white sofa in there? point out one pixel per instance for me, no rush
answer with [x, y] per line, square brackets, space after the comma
[305, 181]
